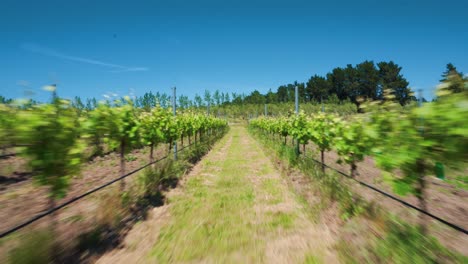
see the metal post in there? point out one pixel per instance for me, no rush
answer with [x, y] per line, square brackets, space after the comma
[420, 92]
[421, 121]
[174, 111]
[297, 99]
[321, 101]
[208, 109]
[297, 113]
[266, 110]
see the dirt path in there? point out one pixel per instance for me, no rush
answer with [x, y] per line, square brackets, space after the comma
[234, 207]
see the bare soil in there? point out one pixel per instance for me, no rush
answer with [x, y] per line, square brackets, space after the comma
[21, 198]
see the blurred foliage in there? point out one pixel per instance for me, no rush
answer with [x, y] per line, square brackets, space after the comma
[34, 247]
[400, 241]
[412, 139]
[50, 134]
[53, 136]
[404, 243]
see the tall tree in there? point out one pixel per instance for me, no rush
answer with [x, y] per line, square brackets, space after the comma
[223, 98]
[77, 103]
[208, 98]
[4, 100]
[237, 98]
[282, 94]
[255, 98]
[271, 97]
[198, 100]
[217, 97]
[391, 78]
[183, 101]
[317, 88]
[351, 83]
[164, 100]
[337, 81]
[453, 79]
[368, 79]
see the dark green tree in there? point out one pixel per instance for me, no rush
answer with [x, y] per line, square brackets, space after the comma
[368, 80]
[271, 97]
[217, 97]
[351, 83]
[317, 88]
[392, 79]
[337, 82]
[452, 79]
[198, 100]
[208, 98]
[255, 98]
[282, 94]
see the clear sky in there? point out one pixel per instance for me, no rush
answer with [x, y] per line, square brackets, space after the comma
[91, 48]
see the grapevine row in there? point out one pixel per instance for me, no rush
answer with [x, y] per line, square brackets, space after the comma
[416, 141]
[54, 136]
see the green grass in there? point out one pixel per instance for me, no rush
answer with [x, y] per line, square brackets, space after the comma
[130, 157]
[311, 259]
[214, 220]
[281, 219]
[211, 220]
[272, 187]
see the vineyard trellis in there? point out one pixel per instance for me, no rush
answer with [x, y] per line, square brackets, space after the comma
[412, 140]
[53, 136]
[81, 196]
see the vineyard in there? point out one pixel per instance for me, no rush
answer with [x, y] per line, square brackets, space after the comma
[67, 180]
[58, 146]
[264, 132]
[417, 143]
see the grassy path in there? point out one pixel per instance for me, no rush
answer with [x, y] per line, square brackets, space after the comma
[234, 207]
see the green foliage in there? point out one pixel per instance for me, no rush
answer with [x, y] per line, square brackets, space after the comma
[414, 140]
[124, 127]
[410, 139]
[351, 141]
[51, 135]
[322, 130]
[7, 125]
[299, 128]
[391, 79]
[453, 80]
[97, 124]
[130, 157]
[150, 180]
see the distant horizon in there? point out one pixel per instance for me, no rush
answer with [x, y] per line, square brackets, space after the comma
[90, 49]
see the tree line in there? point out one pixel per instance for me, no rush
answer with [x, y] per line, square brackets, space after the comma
[364, 81]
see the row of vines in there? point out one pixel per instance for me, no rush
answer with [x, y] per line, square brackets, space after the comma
[53, 137]
[415, 141]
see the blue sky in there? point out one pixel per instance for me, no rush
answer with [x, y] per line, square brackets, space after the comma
[91, 48]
